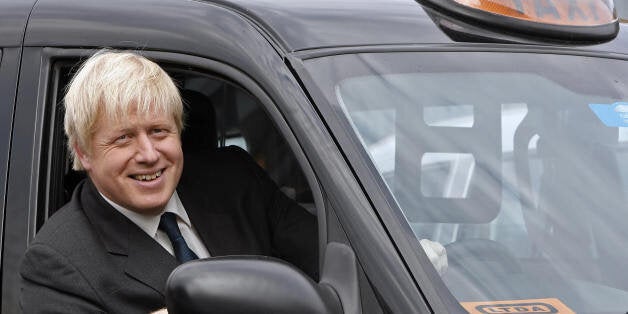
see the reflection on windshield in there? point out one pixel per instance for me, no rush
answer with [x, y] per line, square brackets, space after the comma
[508, 166]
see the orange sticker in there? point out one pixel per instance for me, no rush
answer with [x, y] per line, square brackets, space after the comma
[534, 306]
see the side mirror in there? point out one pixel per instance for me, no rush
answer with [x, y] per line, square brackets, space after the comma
[246, 284]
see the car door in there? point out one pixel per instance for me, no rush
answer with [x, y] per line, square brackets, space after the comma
[215, 50]
[13, 18]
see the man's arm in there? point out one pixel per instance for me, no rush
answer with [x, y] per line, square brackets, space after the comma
[50, 284]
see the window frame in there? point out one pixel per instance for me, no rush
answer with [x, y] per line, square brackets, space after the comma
[211, 68]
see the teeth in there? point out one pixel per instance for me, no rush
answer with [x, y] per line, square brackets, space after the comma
[148, 177]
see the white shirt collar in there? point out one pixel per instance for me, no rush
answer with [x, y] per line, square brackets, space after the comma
[150, 223]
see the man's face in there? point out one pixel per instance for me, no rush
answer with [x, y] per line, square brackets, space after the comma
[136, 162]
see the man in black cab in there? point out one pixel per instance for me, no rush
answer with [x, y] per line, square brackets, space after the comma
[140, 214]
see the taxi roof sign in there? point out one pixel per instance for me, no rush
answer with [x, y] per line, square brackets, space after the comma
[559, 12]
[562, 19]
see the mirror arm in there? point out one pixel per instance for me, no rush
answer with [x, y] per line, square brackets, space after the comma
[340, 273]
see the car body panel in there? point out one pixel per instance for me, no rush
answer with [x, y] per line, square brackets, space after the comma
[13, 17]
[301, 25]
[9, 64]
[216, 33]
[265, 42]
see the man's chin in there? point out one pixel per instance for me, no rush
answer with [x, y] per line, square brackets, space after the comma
[149, 208]
[148, 202]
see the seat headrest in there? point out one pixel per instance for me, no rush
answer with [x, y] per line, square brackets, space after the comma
[200, 122]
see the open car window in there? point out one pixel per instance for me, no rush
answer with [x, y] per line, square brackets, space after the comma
[218, 113]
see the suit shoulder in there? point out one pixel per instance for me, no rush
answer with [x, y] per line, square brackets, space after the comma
[226, 168]
[233, 154]
[221, 161]
[64, 229]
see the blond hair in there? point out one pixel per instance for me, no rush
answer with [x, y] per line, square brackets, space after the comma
[113, 83]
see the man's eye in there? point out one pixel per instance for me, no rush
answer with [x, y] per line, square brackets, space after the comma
[159, 131]
[122, 138]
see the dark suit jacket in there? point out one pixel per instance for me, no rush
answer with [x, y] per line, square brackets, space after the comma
[90, 258]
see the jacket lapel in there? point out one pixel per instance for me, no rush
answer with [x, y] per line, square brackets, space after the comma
[199, 209]
[215, 211]
[146, 260]
[215, 224]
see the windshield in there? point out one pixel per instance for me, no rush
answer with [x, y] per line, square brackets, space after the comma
[515, 162]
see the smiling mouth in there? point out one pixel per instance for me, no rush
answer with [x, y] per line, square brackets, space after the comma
[147, 177]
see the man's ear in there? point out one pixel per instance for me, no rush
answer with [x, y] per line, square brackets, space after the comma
[82, 156]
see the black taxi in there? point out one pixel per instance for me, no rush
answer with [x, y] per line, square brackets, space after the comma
[496, 128]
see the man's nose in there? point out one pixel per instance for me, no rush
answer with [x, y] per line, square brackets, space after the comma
[146, 150]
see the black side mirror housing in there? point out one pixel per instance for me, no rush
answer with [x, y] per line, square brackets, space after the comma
[246, 284]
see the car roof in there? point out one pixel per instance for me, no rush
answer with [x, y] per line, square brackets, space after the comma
[291, 25]
[13, 16]
[309, 24]
[298, 25]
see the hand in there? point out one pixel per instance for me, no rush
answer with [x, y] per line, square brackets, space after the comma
[436, 253]
[160, 311]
